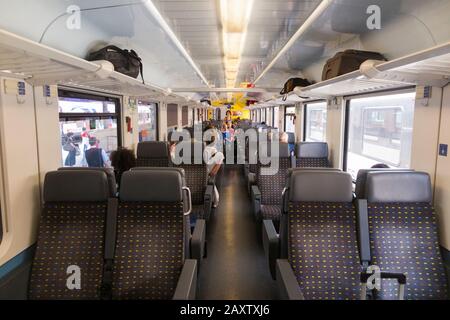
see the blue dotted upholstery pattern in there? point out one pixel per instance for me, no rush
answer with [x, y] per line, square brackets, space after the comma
[70, 234]
[149, 251]
[323, 250]
[404, 239]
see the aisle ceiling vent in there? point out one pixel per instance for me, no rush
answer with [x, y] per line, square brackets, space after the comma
[235, 15]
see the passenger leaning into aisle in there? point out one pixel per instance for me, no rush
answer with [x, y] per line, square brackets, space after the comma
[213, 158]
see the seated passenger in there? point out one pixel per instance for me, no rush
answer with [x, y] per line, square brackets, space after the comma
[122, 160]
[380, 166]
[213, 159]
[284, 138]
[95, 156]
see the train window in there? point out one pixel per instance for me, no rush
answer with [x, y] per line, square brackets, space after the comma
[87, 121]
[185, 115]
[289, 119]
[379, 130]
[269, 116]
[315, 125]
[148, 129]
[263, 115]
[172, 115]
[276, 117]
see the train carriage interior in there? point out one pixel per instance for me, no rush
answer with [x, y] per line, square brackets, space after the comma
[224, 150]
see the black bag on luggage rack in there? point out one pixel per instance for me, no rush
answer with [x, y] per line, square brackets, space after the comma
[125, 61]
[348, 61]
[290, 85]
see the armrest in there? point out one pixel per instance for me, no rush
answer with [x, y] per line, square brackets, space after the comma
[256, 201]
[208, 199]
[198, 241]
[400, 277]
[251, 180]
[271, 244]
[293, 160]
[287, 282]
[187, 283]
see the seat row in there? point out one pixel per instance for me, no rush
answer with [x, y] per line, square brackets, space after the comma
[92, 245]
[266, 189]
[382, 245]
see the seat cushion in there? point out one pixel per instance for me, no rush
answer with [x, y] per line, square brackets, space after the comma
[404, 239]
[312, 163]
[148, 162]
[70, 234]
[150, 250]
[270, 212]
[323, 250]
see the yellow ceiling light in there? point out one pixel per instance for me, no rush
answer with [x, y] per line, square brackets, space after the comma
[235, 15]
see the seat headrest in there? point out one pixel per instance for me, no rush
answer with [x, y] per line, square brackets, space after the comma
[311, 150]
[152, 185]
[388, 187]
[361, 179]
[109, 174]
[320, 186]
[283, 150]
[76, 186]
[180, 170]
[153, 150]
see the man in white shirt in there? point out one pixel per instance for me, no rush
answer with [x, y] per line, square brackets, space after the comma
[213, 159]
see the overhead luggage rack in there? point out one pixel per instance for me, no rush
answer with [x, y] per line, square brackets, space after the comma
[429, 67]
[38, 64]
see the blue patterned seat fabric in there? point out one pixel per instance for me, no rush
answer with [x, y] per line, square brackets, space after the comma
[323, 250]
[404, 240]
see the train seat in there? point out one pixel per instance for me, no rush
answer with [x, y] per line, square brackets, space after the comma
[153, 154]
[68, 261]
[156, 256]
[311, 154]
[197, 179]
[267, 190]
[318, 238]
[403, 235]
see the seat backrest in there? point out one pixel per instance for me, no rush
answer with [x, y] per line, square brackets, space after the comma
[312, 154]
[271, 186]
[404, 235]
[153, 154]
[320, 236]
[112, 184]
[196, 173]
[69, 255]
[151, 235]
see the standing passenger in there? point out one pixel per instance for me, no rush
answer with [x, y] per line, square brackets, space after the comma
[96, 157]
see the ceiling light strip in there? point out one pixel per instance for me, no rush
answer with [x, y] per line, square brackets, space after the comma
[303, 28]
[159, 18]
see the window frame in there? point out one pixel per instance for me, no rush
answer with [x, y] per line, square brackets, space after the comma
[305, 116]
[67, 92]
[347, 99]
[285, 114]
[156, 116]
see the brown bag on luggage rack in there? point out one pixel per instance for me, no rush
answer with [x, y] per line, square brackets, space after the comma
[347, 61]
[290, 85]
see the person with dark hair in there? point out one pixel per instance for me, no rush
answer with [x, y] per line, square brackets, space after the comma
[380, 166]
[96, 157]
[122, 160]
[70, 146]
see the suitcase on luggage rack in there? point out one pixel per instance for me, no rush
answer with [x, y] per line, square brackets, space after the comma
[348, 61]
[290, 85]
